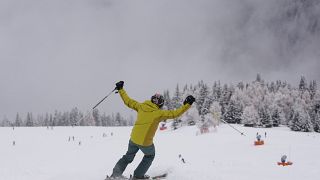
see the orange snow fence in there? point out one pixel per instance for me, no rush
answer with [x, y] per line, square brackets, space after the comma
[285, 163]
[257, 143]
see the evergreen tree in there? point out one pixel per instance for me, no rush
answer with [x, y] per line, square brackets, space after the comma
[6, 122]
[177, 98]
[233, 112]
[104, 120]
[46, 120]
[250, 116]
[301, 120]
[29, 120]
[225, 98]
[118, 119]
[75, 116]
[167, 100]
[63, 119]
[56, 118]
[264, 116]
[303, 84]
[51, 121]
[313, 89]
[203, 100]
[18, 121]
[316, 123]
[275, 118]
[216, 91]
[176, 103]
[258, 78]
[215, 110]
[96, 117]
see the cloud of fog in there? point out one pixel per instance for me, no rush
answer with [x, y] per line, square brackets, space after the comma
[57, 54]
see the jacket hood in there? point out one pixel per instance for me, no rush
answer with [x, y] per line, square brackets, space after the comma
[149, 106]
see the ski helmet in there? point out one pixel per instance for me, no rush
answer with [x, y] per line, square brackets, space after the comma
[158, 99]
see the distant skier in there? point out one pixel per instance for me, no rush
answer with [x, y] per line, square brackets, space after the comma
[265, 134]
[148, 118]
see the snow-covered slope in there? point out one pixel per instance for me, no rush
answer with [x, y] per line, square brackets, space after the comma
[47, 154]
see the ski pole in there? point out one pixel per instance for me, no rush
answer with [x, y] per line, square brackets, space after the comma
[233, 127]
[104, 98]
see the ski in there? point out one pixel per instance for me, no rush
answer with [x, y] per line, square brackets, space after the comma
[157, 177]
[161, 176]
[117, 178]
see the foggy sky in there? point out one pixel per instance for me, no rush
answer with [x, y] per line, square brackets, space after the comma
[60, 54]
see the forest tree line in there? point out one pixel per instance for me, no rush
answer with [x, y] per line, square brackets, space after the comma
[256, 104]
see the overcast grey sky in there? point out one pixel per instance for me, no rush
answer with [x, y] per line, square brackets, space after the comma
[59, 54]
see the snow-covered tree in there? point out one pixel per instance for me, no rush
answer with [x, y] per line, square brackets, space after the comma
[96, 117]
[264, 116]
[216, 91]
[233, 112]
[46, 120]
[29, 120]
[301, 120]
[225, 98]
[316, 123]
[275, 117]
[18, 122]
[303, 85]
[176, 103]
[75, 116]
[313, 89]
[191, 116]
[177, 98]
[250, 116]
[215, 111]
[5, 122]
[167, 100]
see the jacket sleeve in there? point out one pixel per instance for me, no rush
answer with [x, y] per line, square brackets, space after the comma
[171, 114]
[131, 103]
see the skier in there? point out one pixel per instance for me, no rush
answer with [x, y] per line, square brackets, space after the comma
[149, 115]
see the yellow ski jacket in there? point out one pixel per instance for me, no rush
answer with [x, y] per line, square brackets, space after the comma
[148, 118]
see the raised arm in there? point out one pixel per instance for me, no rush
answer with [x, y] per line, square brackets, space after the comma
[171, 114]
[131, 103]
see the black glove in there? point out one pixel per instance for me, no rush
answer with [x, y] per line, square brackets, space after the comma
[119, 85]
[190, 99]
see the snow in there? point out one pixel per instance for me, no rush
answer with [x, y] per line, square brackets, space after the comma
[47, 154]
